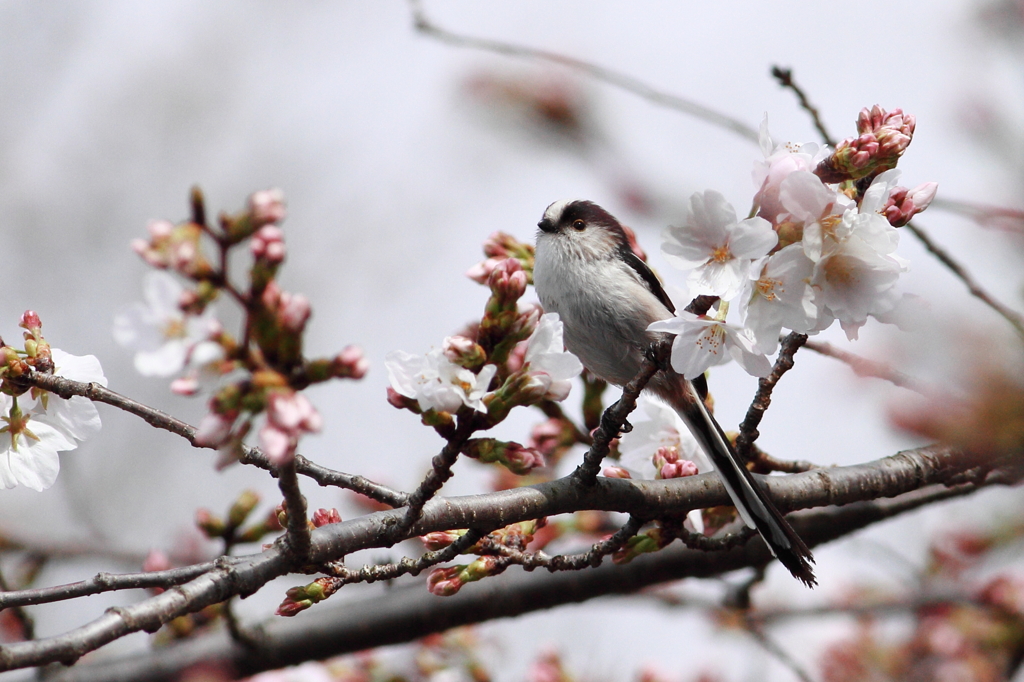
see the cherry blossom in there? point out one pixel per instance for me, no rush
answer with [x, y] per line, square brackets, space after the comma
[779, 162]
[437, 383]
[718, 245]
[662, 433]
[28, 448]
[159, 331]
[37, 425]
[702, 342]
[290, 415]
[780, 295]
[551, 367]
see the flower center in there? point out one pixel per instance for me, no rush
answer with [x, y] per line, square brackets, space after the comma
[829, 224]
[712, 339]
[766, 286]
[721, 254]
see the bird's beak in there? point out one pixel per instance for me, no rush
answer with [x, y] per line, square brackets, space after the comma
[547, 226]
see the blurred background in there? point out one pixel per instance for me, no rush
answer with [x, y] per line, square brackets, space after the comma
[398, 155]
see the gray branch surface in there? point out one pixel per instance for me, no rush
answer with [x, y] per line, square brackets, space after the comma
[403, 614]
[889, 477]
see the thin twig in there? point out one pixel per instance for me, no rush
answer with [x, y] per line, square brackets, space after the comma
[785, 78]
[440, 471]
[763, 397]
[1009, 314]
[772, 647]
[620, 80]
[786, 466]
[67, 388]
[297, 534]
[377, 572]
[718, 544]
[864, 367]
[104, 582]
[614, 418]
[574, 562]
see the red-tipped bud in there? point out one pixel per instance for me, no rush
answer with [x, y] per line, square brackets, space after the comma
[30, 321]
[464, 352]
[267, 206]
[324, 517]
[350, 363]
[616, 472]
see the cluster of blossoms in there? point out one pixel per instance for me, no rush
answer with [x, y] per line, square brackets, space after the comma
[819, 247]
[36, 425]
[176, 331]
[514, 357]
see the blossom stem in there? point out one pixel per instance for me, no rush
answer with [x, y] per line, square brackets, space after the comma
[614, 418]
[785, 78]
[298, 539]
[1010, 315]
[763, 397]
[66, 388]
[616, 78]
[440, 471]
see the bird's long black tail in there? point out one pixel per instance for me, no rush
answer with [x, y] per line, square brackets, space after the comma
[752, 502]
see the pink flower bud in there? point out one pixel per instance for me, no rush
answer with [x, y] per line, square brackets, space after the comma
[463, 351]
[508, 281]
[30, 320]
[616, 472]
[324, 517]
[350, 363]
[904, 204]
[481, 272]
[496, 245]
[213, 431]
[267, 206]
[444, 582]
[277, 444]
[187, 385]
[677, 469]
[160, 229]
[439, 539]
[156, 560]
[268, 244]
[292, 412]
[546, 436]
[294, 311]
[522, 461]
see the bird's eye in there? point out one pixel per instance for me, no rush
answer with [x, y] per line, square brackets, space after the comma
[578, 224]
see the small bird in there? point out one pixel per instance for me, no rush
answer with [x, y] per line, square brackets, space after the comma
[606, 297]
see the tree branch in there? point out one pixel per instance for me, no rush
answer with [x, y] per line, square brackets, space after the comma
[902, 473]
[863, 367]
[406, 613]
[619, 80]
[1009, 314]
[67, 388]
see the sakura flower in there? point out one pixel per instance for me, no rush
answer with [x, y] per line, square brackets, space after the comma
[702, 342]
[662, 429]
[290, 415]
[812, 210]
[76, 418]
[780, 296]
[159, 331]
[437, 383]
[551, 367]
[779, 162]
[720, 247]
[28, 448]
[655, 447]
[856, 269]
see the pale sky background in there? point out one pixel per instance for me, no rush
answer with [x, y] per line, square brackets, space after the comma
[110, 111]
